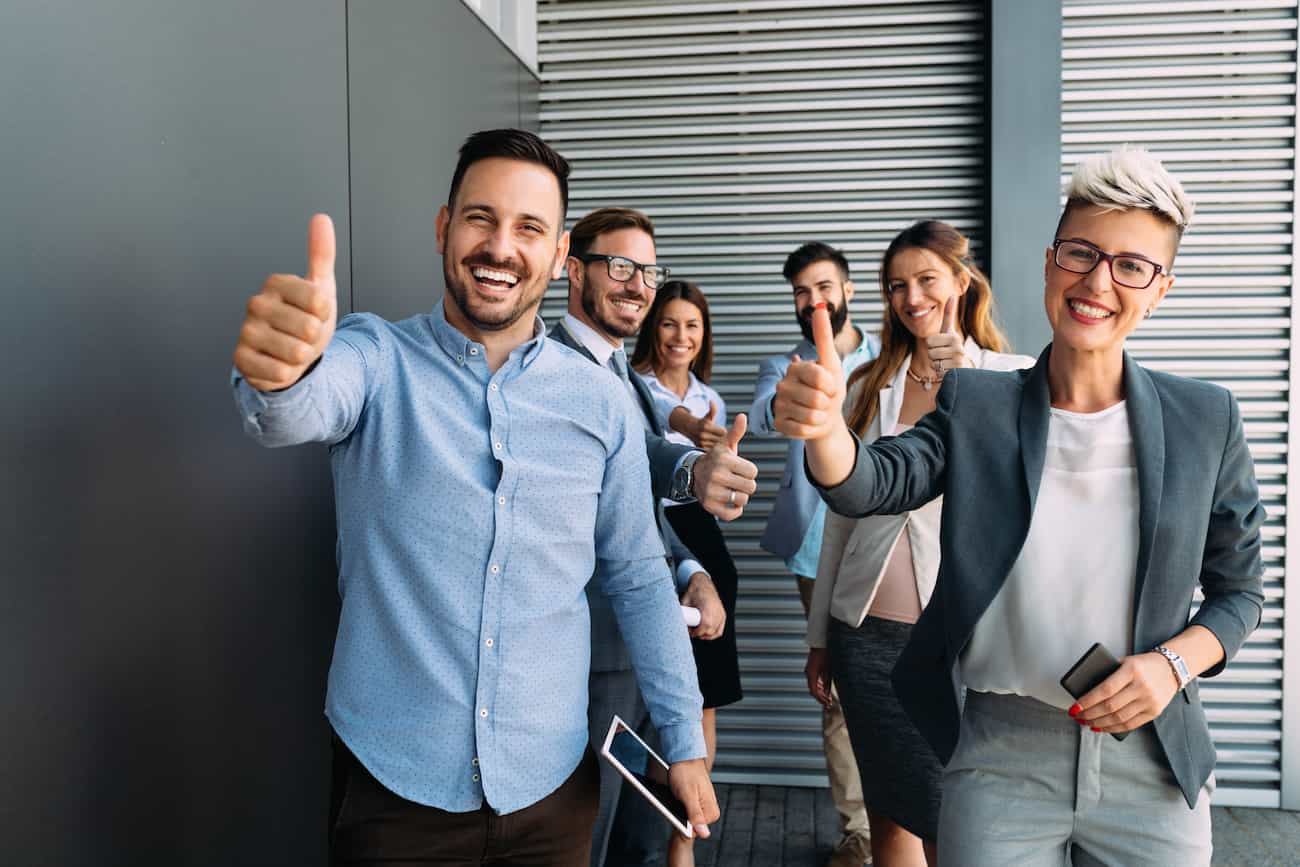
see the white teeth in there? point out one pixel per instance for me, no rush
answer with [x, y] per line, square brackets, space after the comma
[499, 276]
[1089, 310]
[917, 314]
[628, 306]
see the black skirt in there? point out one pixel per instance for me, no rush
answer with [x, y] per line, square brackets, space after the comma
[716, 661]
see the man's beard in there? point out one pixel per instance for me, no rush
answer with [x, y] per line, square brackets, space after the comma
[614, 329]
[493, 317]
[839, 316]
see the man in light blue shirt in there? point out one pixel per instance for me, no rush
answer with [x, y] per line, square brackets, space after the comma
[817, 272]
[481, 471]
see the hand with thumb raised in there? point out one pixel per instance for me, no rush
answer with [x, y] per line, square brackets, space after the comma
[809, 399]
[723, 481]
[947, 348]
[290, 322]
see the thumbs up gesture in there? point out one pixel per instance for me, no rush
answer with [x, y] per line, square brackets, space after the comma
[722, 480]
[947, 348]
[704, 432]
[290, 322]
[809, 400]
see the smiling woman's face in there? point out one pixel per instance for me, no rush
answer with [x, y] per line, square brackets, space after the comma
[1091, 312]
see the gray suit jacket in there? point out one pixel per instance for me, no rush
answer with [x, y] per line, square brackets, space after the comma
[608, 652]
[983, 448]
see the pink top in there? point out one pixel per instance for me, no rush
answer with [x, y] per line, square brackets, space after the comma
[896, 595]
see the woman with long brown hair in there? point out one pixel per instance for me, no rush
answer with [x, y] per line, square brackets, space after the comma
[875, 574]
[674, 355]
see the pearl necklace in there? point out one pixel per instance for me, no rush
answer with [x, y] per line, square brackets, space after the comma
[926, 382]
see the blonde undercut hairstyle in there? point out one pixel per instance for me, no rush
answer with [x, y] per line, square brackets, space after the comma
[1130, 178]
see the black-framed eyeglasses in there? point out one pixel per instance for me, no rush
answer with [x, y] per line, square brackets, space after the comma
[1080, 257]
[621, 268]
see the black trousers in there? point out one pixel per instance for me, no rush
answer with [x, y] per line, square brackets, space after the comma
[371, 825]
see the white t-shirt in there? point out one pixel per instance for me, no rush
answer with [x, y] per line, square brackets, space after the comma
[1074, 581]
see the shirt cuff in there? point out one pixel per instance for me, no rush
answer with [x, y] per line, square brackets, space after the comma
[253, 403]
[682, 742]
[685, 570]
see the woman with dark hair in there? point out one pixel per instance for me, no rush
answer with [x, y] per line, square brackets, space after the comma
[876, 574]
[1085, 501]
[674, 355]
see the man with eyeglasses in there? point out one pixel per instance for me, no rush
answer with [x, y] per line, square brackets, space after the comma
[613, 277]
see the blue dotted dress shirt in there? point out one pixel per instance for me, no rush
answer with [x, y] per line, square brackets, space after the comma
[472, 510]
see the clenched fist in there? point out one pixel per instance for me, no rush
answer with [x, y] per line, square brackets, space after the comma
[290, 322]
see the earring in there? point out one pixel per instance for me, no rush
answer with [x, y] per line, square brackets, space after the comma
[1150, 310]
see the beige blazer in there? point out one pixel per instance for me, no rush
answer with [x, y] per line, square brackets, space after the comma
[855, 551]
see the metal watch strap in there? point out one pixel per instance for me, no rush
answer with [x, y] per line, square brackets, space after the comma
[683, 479]
[1177, 664]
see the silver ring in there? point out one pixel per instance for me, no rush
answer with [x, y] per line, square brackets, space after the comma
[731, 501]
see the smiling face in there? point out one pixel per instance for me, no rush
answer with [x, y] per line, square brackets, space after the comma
[680, 334]
[821, 281]
[919, 284]
[501, 242]
[616, 308]
[1090, 312]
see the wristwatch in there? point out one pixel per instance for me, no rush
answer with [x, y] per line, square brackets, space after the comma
[683, 477]
[1176, 663]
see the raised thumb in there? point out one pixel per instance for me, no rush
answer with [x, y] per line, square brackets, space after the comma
[320, 248]
[713, 411]
[824, 339]
[950, 315]
[737, 431]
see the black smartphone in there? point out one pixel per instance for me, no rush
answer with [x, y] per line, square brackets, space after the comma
[1092, 668]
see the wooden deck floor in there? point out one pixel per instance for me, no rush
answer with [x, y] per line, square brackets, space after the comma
[770, 826]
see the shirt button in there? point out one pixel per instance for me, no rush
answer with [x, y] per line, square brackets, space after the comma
[498, 446]
[489, 642]
[501, 500]
[476, 778]
[483, 712]
[493, 386]
[474, 761]
[495, 568]
[473, 350]
[460, 358]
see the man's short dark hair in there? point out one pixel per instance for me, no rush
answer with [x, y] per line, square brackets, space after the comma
[585, 232]
[512, 144]
[814, 251]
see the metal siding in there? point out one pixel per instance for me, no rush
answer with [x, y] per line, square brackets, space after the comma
[1213, 94]
[744, 130]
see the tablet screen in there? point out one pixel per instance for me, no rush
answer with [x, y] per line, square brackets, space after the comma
[643, 768]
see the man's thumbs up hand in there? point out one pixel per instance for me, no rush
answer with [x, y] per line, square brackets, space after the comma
[290, 322]
[947, 348]
[723, 480]
[809, 400]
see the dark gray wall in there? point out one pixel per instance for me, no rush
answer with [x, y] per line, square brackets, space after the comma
[169, 590]
[404, 143]
[1024, 161]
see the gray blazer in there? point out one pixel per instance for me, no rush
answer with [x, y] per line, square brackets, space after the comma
[608, 652]
[983, 448]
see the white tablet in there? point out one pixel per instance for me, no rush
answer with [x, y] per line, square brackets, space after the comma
[648, 774]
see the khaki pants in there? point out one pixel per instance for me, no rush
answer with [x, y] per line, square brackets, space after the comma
[841, 767]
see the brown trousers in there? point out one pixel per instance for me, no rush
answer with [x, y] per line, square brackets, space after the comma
[371, 825]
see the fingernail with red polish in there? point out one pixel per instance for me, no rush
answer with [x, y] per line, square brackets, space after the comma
[820, 305]
[1081, 722]
[1094, 728]
[1074, 710]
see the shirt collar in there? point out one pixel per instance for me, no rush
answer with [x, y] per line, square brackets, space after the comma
[460, 347]
[596, 344]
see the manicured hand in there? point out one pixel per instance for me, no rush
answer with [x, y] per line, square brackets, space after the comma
[818, 672]
[947, 348]
[809, 399]
[722, 480]
[690, 782]
[1136, 693]
[704, 432]
[290, 322]
[702, 594]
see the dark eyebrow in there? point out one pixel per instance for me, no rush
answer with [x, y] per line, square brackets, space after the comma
[478, 206]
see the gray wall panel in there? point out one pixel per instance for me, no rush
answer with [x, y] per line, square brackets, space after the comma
[422, 76]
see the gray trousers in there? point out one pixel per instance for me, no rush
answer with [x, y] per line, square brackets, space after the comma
[628, 832]
[1029, 786]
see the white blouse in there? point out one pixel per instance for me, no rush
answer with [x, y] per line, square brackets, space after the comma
[1074, 581]
[697, 400]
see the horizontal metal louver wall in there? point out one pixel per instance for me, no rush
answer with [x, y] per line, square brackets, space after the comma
[744, 130]
[1211, 89]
